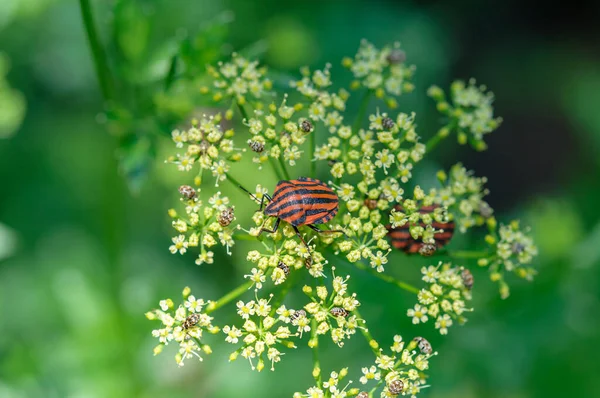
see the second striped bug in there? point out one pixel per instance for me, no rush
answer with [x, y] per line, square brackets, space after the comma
[305, 201]
[403, 240]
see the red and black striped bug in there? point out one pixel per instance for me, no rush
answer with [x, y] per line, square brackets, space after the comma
[402, 239]
[305, 201]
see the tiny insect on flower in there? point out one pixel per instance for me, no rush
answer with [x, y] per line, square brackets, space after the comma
[402, 239]
[467, 278]
[338, 311]
[226, 217]
[396, 56]
[298, 314]
[387, 123]
[305, 201]
[395, 387]
[424, 345]
[190, 321]
[427, 249]
[371, 203]
[187, 192]
[282, 266]
[306, 126]
[256, 146]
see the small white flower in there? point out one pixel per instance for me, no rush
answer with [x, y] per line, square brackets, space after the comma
[418, 314]
[179, 245]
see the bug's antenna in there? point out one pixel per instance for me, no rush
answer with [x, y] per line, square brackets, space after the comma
[248, 192]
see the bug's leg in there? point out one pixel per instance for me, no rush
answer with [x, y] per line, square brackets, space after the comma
[302, 239]
[262, 200]
[325, 231]
[271, 231]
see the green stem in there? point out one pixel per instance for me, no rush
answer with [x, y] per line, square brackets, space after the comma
[281, 295]
[468, 254]
[367, 335]
[245, 237]
[311, 154]
[284, 168]
[276, 169]
[314, 346]
[232, 295]
[372, 392]
[439, 136]
[433, 142]
[362, 110]
[98, 54]
[242, 111]
[387, 278]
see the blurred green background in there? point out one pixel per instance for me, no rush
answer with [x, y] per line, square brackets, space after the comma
[83, 225]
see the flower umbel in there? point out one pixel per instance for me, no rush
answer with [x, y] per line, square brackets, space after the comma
[184, 325]
[383, 210]
[260, 335]
[444, 300]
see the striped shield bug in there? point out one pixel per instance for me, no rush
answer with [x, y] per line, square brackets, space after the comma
[402, 239]
[305, 201]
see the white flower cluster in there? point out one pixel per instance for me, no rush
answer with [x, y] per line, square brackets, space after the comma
[332, 311]
[239, 79]
[277, 133]
[462, 193]
[514, 251]
[444, 300]
[207, 146]
[204, 226]
[401, 370]
[323, 106]
[420, 223]
[471, 112]
[331, 388]
[381, 70]
[183, 325]
[260, 334]
[389, 145]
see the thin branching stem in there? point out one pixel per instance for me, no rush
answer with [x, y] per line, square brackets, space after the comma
[284, 168]
[275, 169]
[387, 278]
[314, 345]
[435, 140]
[468, 254]
[367, 335]
[311, 154]
[99, 56]
[229, 297]
[362, 110]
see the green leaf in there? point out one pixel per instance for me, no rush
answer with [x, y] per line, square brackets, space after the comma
[205, 47]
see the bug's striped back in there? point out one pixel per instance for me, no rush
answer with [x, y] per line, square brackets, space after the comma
[402, 240]
[303, 201]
